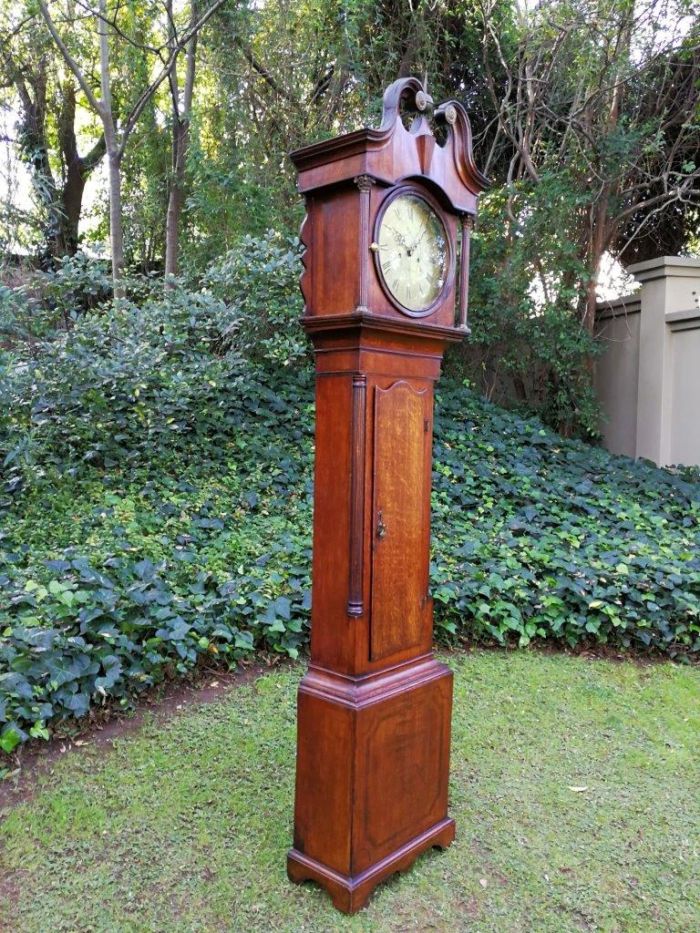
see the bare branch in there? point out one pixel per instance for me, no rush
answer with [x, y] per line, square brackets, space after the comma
[91, 159]
[674, 194]
[8, 37]
[112, 23]
[264, 73]
[163, 74]
[647, 217]
[70, 61]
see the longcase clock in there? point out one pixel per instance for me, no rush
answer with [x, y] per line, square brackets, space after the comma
[385, 284]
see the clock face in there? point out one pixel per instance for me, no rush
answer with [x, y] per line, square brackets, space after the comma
[413, 252]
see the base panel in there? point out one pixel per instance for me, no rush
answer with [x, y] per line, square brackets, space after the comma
[351, 893]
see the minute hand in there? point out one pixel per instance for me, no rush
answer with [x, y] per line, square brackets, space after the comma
[416, 244]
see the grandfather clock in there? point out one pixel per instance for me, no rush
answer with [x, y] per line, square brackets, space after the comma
[385, 283]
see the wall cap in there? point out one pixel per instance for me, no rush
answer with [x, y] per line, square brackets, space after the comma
[685, 319]
[665, 266]
[685, 314]
[619, 307]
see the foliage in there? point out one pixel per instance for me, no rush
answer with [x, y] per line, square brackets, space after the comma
[584, 116]
[14, 316]
[573, 784]
[540, 537]
[51, 300]
[117, 388]
[75, 284]
[260, 278]
[527, 346]
[136, 409]
[157, 508]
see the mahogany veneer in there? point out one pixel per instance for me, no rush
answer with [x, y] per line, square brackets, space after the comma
[374, 708]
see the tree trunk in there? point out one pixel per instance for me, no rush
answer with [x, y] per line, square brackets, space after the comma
[591, 303]
[176, 200]
[181, 138]
[116, 235]
[598, 240]
[64, 238]
[600, 233]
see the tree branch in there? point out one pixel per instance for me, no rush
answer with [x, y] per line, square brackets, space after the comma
[120, 32]
[70, 61]
[668, 196]
[164, 72]
[91, 159]
[263, 72]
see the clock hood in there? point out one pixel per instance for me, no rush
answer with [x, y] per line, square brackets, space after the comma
[393, 153]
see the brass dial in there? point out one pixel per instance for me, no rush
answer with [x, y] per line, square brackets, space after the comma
[413, 252]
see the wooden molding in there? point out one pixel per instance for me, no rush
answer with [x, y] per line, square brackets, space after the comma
[357, 500]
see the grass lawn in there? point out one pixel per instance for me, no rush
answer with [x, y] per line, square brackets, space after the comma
[574, 784]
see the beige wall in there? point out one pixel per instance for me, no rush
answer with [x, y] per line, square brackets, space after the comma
[648, 376]
[617, 373]
[685, 393]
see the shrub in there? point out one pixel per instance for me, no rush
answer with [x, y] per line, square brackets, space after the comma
[78, 283]
[528, 348]
[123, 386]
[23, 320]
[260, 277]
[112, 580]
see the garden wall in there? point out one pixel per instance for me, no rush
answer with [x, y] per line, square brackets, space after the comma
[648, 376]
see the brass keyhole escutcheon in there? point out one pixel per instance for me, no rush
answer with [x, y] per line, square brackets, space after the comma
[381, 527]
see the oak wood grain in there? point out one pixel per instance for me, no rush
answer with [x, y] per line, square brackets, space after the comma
[399, 586]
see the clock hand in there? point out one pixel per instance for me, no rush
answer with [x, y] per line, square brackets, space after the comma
[416, 244]
[399, 236]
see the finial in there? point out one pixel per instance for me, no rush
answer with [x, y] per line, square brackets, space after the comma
[422, 101]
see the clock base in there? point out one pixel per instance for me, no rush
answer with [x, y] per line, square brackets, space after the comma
[351, 893]
[372, 775]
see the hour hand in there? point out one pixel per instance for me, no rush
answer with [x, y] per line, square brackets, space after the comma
[401, 239]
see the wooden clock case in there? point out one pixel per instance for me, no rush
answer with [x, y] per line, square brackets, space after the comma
[374, 708]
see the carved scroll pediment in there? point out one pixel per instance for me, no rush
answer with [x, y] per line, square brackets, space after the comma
[394, 152]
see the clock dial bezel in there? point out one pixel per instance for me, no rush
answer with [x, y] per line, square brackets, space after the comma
[432, 203]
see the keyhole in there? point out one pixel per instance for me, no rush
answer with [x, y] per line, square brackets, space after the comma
[381, 527]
